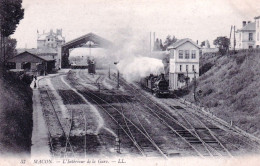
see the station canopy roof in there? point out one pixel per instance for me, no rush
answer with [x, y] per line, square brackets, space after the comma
[83, 40]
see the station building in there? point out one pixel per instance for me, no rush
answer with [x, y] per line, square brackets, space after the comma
[183, 62]
[48, 44]
[31, 63]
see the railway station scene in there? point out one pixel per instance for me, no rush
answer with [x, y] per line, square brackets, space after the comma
[116, 83]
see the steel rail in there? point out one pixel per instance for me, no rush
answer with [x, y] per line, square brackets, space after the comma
[56, 115]
[153, 143]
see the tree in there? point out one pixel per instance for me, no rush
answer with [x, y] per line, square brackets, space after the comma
[11, 12]
[202, 44]
[222, 43]
[161, 45]
[10, 45]
[156, 45]
[168, 41]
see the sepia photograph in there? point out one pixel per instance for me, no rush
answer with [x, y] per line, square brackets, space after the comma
[130, 82]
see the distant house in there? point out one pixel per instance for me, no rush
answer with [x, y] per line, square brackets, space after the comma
[246, 35]
[31, 62]
[183, 63]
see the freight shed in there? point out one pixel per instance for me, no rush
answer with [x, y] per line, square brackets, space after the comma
[31, 63]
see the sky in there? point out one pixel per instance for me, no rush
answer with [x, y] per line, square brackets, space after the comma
[196, 19]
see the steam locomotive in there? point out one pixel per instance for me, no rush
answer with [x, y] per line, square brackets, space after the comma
[158, 85]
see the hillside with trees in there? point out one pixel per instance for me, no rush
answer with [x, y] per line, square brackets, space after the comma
[230, 87]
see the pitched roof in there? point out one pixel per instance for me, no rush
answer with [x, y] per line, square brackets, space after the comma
[28, 53]
[47, 57]
[39, 51]
[181, 42]
[257, 17]
[88, 37]
[248, 27]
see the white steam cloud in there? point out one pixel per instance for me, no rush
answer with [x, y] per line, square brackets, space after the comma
[137, 67]
[131, 51]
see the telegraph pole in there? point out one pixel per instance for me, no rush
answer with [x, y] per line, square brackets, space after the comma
[117, 79]
[90, 48]
[230, 38]
[187, 81]
[150, 44]
[194, 93]
[85, 139]
[109, 71]
[118, 142]
[234, 39]
[117, 76]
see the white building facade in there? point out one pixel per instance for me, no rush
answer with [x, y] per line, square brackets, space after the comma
[184, 62]
[246, 35]
[49, 45]
[50, 39]
[257, 42]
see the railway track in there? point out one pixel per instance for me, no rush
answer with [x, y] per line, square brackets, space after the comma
[59, 139]
[200, 135]
[188, 136]
[201, 141]
[138, 135]
[237, 142]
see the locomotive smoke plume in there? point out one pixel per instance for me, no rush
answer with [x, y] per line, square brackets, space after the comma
[137, 67]
[131, 51]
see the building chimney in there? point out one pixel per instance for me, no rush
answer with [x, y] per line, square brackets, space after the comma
[244, 23]
[58, 31]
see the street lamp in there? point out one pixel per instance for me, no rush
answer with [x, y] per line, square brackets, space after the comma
[89, 44]
[117, 76]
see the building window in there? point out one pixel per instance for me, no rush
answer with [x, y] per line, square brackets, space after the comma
[187, 68]
[193, 54]
[250, 47]
[180, 54]
[250, 36]
[48, 39]
[187, 54]
[180, 67]
[193, 68]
